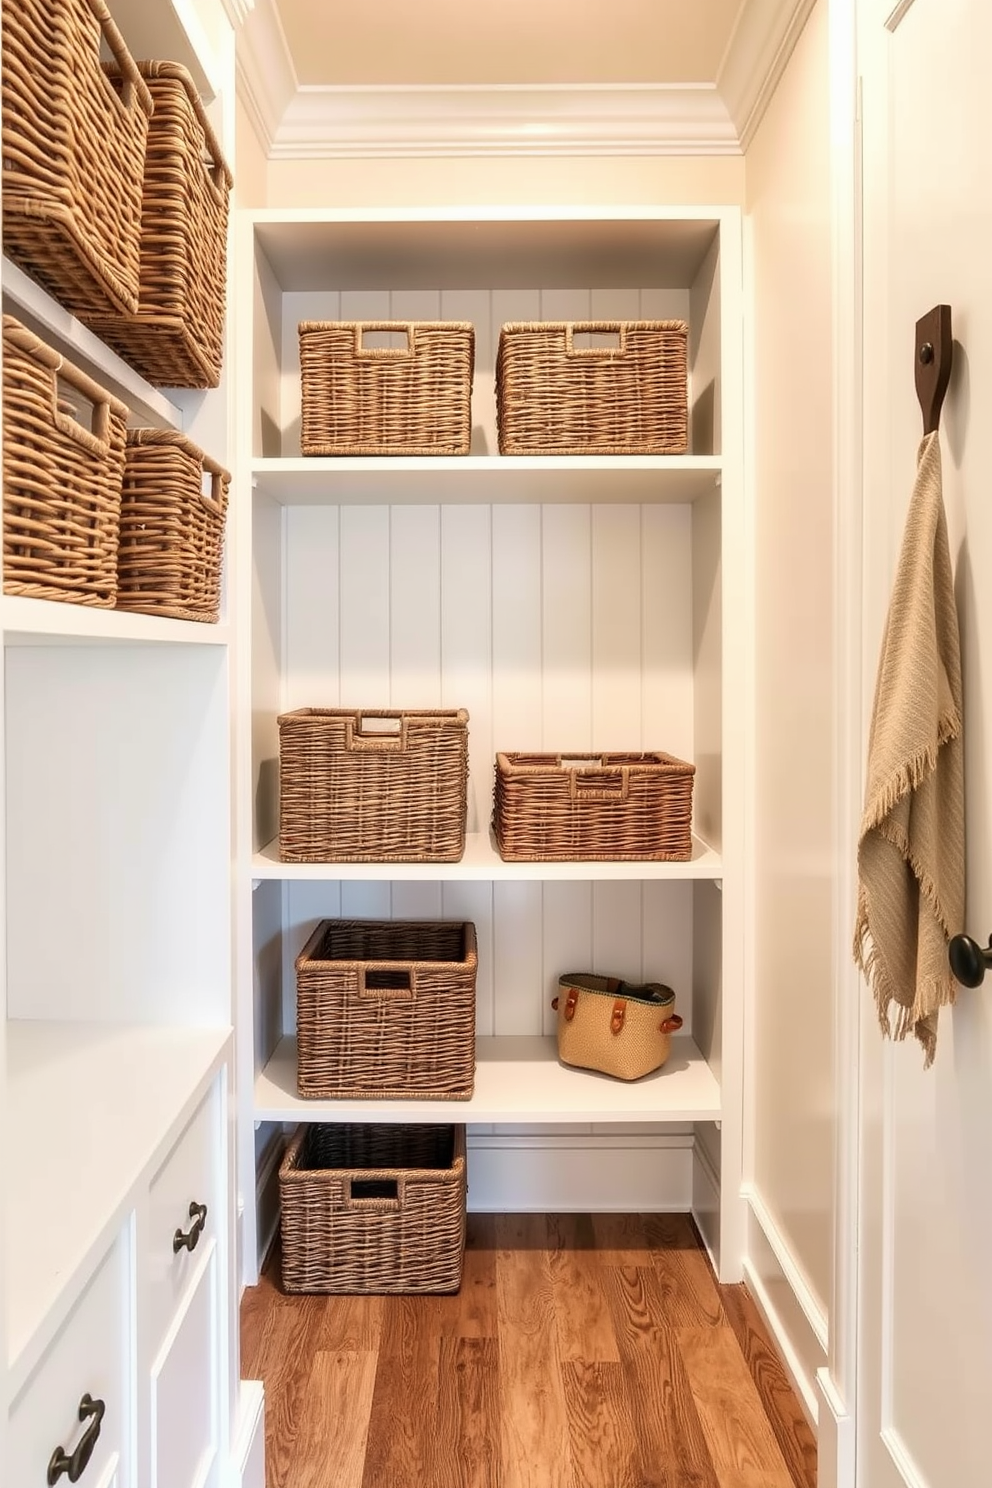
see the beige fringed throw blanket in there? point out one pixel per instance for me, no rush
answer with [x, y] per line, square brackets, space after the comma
[911, 845]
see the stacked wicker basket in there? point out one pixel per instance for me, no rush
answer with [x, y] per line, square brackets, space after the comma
[108, 204]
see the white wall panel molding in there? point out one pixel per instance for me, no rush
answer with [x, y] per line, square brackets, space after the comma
[792, 1314]
[322, 122]
[266, 77]
[757, 55]
[237, 11]
[551, 1172]
[899, 14]
[835, 1436]
[902, 1461]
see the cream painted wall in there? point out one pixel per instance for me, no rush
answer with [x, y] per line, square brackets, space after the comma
[445, 182]
[251, 179]
[791, 1117]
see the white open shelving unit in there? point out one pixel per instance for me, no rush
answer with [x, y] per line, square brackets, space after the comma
[568, 603]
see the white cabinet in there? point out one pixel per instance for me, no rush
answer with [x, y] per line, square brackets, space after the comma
[568, 603]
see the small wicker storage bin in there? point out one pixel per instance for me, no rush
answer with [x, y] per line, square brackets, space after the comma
[174, 336]
[369, 1209]
[574, 808]
[556, 398]
[73, 153]
[375, 786]
[172, 531]
[385, 1009]
[363, 399]
[63, 461]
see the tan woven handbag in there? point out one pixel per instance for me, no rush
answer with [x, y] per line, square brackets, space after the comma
[606, 1024]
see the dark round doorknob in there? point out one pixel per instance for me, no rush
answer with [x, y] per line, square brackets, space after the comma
[969, 961]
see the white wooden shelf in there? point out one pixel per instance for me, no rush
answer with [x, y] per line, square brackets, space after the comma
[42, 622]
[401, 480]
[88, 1107]
[518, 1079]
[482, 862]
[36, 309]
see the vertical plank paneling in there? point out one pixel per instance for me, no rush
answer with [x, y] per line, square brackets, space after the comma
[475, 306]
[615, 304]
[519, 958]
[566, 608]
[466, 643]
[567, 939]
[364, 554]
[415, 304]
[415, 606]
[474, 902]
[566, 304]
[365, 304]
[616, 930]
[312, 671]
[667, 938]
[416, 901]
[665, 304]
[371, 900]
[666, 673]
[516, 627]
[616, 627]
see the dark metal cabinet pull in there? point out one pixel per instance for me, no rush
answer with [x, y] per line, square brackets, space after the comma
[198, 1214]
[73, 1467]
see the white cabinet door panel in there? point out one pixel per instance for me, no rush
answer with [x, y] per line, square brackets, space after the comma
[184, 1400]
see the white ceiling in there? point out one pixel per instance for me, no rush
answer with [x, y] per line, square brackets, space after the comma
[459, 42]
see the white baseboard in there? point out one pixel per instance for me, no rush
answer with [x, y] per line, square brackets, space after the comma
[706, 1200]
[791, 1312]
[576, 1172]
[835, 1436]
[248, 1445]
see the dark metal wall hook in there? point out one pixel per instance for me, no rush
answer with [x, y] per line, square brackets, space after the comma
[934, 353]
[969, 961]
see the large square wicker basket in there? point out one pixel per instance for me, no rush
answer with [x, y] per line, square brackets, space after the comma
[369, 1209]
[554, 397]
[174, 337]
[73, 153]
[385, 1009]
[603, 808]
[63, 463]
[372, 785]
[362, 399]
[172, 530]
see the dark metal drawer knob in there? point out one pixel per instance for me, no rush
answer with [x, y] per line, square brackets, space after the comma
[188, 1240]
[75, 1465]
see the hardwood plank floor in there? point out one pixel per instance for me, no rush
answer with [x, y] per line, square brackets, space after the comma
[580, 1352]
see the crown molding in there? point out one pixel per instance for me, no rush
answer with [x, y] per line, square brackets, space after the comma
[756, 57]
[506, 120]
[266, 78]
[237, 11]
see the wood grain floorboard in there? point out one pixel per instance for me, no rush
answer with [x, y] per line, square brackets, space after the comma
[601, 1427]
[583, 1320]
[288, 1345]
[785, 1415]
[689, 1292]
[402, 1436]
[621, 1240]
[534, 1444]
[741, 1442]
[329, 1449]
[469, 1410]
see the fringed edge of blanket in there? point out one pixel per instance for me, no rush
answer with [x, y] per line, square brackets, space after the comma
[911, 775]
[935, 994]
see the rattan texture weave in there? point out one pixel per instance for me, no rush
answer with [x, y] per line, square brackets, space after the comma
[556, 398]
[340, 1235]
[175, 335]
[61, 478]
[608, 1025]
[73, 153]
[350, 794]
[599, 808]
[381, 400]
[385, 1009]
[172, 531]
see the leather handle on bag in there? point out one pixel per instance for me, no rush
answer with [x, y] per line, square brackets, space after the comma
[570, 1001]
[619, 1014]
[672, 1024]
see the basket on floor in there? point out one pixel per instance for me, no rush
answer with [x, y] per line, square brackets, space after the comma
[73, 153]
[372, 785]
[172, 529]
[554, 397]
[385, 1009]
[365, 399]
[603, 808]
[63, 462]
[174, 336]
[369, 1209]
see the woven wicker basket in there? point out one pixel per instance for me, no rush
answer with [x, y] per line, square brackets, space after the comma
[556, 398]
[376, 400]
[368, 1209]
[172, 532]
[73, 153]
[63, 461]
[573, 808]
[174, 337]
[385, 1009]
[372, 786]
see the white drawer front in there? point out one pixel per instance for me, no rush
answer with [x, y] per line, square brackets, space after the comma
[189, 1177]
[93, 1355]
[184, 1405]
